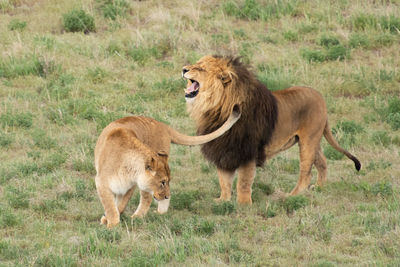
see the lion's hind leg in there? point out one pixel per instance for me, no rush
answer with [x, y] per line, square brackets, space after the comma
[320, 164]
[308, 152]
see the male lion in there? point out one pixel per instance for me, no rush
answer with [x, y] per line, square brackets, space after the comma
[133, 151]
[270, 123]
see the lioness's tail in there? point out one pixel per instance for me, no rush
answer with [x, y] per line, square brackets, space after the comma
[181, 139]
[332, 141]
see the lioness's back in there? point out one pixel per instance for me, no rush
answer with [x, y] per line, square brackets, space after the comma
[149, 131]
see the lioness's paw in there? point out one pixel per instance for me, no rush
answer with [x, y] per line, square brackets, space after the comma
[103, 220]
[112, 224]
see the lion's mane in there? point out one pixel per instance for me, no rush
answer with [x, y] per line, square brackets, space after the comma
[246, 140]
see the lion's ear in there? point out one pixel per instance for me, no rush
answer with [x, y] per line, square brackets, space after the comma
[225, 77]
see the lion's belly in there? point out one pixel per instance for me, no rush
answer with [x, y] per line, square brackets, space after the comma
[275, 148]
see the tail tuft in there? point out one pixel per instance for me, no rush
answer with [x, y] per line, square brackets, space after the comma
[357, 163]
[331, 140]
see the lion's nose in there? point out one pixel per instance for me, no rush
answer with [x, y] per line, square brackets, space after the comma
[184, 70]
[166, 197]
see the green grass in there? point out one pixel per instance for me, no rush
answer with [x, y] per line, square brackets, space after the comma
[328, 41]
[223, 208]
[330, 52]
[113, 9]
[294, 203]
[62, 82]
[77, 20]
[12, 67]
[359, 40]
[21, 120]
[17, 25]
[184, 200]
[275, 77]
[390, 23]
[6, 140]
[253, 10]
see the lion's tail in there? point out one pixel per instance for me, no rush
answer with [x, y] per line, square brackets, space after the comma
[181, 139]
[332, 141]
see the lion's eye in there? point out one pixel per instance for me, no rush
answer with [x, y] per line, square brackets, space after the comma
[162, 183]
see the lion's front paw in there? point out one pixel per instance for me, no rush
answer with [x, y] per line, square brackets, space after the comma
[244, 201]
[220, 199]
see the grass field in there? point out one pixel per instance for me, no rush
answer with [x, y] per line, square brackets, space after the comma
[68, 68]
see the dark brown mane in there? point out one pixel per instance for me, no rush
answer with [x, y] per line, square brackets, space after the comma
[246, 140]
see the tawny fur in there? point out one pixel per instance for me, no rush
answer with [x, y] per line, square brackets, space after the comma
[133, 151]
[271, 122]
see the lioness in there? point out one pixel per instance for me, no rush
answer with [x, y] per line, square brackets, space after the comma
[271, 122]
[133, 151]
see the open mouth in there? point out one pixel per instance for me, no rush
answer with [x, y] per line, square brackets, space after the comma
[192, 90]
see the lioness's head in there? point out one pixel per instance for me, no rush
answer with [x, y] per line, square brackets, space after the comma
[211, 85]
[158, 175]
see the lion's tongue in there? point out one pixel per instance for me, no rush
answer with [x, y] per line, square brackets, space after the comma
[192, 88]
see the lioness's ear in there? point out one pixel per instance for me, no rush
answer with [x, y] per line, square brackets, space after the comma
[225, 77]
[162, 153]
[149, 164]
